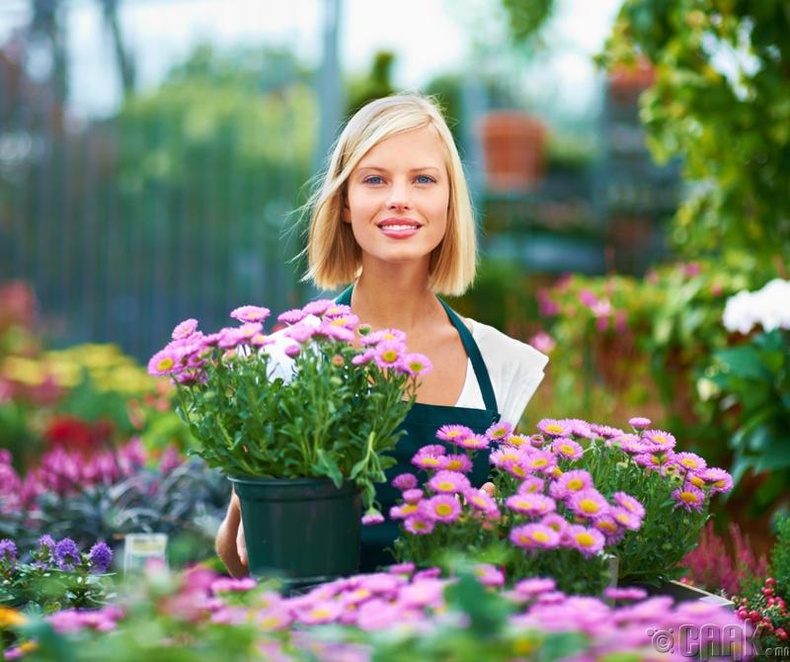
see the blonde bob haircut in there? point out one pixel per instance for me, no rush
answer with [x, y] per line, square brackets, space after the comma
[334, 258]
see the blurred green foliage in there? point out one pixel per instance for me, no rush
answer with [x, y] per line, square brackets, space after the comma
[720, 102]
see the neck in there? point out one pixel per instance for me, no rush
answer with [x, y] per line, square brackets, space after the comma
[405, 304]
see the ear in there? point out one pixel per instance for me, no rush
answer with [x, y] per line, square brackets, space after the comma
[345, 212]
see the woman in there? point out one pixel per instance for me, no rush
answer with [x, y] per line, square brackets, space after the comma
[393, 219]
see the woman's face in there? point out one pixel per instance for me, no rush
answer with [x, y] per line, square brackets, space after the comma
[398, 198]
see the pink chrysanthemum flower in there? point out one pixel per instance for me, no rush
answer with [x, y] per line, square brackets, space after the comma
[301, 333]
[606, 431]
[335, 332]
[417, 364]
[658, 440]
[689, 461]
[452, 433]
[505, 455]
[629, 503]
[457, 462]
[531, 485]
[639, 422]
[589, 503]
[389, 353]
[185, 329]
[569, 483]
[534, 536]
[555, 428]
[293, 316]
[630, 443]
[403, 511]
[539, 460]
[164, 362]
[650, 461]
[720, 481]
[382, 335]
[534, 585]
[689, 497]
[371, 518]
[442, 508]
[531, 504]
[567, 448]
[474, 443]
[489, 575]
[611, 530]
[250, 314]
[499, 431]
[579, 428]
[318, 307]
[517, 440]
[554, 521]
[419, 524]
[449, 482]
[625, 593]
[626, 518]
[404, 481]
[336, 310]
[413, 495]
[326, 611]
[481, 501]
[430, 457]
[588, 541]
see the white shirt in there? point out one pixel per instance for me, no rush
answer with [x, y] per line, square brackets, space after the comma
[515, 369]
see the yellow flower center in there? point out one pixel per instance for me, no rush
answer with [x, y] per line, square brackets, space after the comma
[389, 356]
[444, 509]
[165, 364]
[446, 486]
[696, 481]
[589, 506]
[539, 462]
[604, 525]
[689, 497]
[575, 484]
[554, 428]
[540, 536]
[585, 539]
[689, 463]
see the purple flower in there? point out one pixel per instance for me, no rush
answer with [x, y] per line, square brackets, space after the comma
[589, 503]
[100, 557]
[555, 428]
[689, 497]
[567, 448]
[7, 552]
[629, 503]
[570, 482]
[442, 508]
[184, 329]
[457, 462]
[588, 541]
[419, 524]
[417, 364]
[45, 554]
[67, 556]
[499, 431]
[690, 461]
[531, 504]
[452, 433]
[639, 422]
[404, 481]
[534, 536]
[372, 518]
[250, 314]
[719, 480]
[658, 440]
[449, 482]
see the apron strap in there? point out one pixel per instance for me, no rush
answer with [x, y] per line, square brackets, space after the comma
[472, 350]
[478, 365]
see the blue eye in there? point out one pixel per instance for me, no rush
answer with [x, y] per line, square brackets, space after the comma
[425, 179]
[373, 179]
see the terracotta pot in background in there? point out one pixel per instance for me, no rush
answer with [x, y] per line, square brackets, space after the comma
[514, 146]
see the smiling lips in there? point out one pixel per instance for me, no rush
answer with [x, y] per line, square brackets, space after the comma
[398, 228]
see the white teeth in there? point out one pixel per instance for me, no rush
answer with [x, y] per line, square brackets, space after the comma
[398, 228]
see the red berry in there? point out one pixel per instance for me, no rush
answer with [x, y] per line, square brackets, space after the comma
[770, 581]
[754, 615]
[781, 633]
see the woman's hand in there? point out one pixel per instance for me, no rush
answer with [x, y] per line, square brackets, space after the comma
[230, 543]
[489, 488]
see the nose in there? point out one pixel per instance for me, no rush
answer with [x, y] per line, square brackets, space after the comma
[399, 195]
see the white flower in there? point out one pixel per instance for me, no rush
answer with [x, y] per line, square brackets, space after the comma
[768, 307]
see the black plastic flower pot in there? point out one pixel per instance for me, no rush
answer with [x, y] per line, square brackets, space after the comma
[303, 531]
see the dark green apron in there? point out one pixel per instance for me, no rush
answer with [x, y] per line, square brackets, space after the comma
[420, 426]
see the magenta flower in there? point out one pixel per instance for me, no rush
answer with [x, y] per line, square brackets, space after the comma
[629, 503]
[452, 433]
[689, 497]
[531, 504]
[184, 329]
[567, 448]
[371, 518]
[165, 362]
[626, 519]
[538, 460]
[639, 422]
[489, 575]
[569, 483]
[689, 461]
[319, 307]
[481, 501]
[442, 508]
[534, 536]
[658, 440]
[719, 480]
[532, 485]
[413, 495]
[389, 354]
[404, 481]
[555, 521]
[588, 503]
[588, 541]
[449, 482]
[555, 428]
[457, 462]
[417, 364]
[376, 337]
[499, 431]
[419, 524]
[251, 314]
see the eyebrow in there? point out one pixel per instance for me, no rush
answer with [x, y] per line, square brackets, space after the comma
[382, 169]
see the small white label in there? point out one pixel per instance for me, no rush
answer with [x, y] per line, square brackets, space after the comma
[139, 548]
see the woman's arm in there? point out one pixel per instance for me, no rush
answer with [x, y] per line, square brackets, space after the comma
[230, 544]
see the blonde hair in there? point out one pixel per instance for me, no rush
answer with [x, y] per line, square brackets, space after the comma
[333, 256]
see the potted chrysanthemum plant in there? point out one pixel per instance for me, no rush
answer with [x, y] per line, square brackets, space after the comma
[586, 504]
[300, 420]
